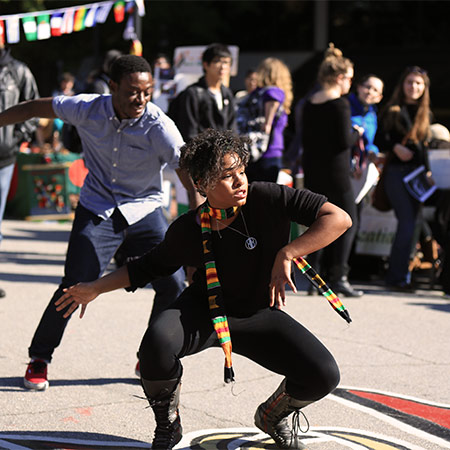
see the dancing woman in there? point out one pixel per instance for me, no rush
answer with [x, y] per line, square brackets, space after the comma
[239, 242]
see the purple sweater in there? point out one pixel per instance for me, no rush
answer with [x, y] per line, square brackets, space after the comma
[276, 145]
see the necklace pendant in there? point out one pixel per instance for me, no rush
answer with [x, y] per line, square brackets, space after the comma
[251, 243]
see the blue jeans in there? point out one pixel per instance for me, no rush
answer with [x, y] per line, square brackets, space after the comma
[406, 209]
[93, 242]
[6, 174]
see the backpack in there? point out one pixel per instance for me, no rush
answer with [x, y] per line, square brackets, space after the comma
[250, 119]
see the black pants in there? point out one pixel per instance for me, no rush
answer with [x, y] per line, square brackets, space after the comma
[270, 338]
[333, 259]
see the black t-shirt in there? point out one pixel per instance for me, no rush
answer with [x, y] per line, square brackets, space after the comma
[244, 274]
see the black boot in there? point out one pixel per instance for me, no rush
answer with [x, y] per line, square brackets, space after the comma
[339, 281]
[164, 398]
[272, 418]
[342, 286]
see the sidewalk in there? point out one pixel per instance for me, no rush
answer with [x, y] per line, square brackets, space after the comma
[394, 360]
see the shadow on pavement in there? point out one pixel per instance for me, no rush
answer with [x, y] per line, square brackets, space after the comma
[444, 307]
[39, 235]
[24, 259]
[24, 278]
[11, 384]
[53, 440]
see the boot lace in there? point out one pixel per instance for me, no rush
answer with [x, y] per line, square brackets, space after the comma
[296, 424]
[166, 432]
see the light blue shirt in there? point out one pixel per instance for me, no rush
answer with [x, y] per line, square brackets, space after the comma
[125, 158]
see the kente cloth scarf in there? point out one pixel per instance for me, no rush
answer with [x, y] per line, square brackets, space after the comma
[215, 295]
[315, 279]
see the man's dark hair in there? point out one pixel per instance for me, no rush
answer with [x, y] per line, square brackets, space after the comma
[215, 51]
[203, 156]
[127, 64]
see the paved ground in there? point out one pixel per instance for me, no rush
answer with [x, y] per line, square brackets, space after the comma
[394, 359]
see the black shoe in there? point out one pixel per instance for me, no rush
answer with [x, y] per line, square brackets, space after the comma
[2, 293]
[312, 291]
[343, 287]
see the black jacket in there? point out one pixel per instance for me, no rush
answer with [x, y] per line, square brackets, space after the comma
[393, 127]
[17, 84]
[197, 110]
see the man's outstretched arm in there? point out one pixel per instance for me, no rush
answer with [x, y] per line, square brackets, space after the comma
[21, 112]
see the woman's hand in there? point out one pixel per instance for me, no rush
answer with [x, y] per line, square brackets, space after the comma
[281, 275]
[403, 153]
[359, 129]
[79, 294]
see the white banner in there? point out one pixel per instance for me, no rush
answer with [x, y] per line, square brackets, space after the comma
[376, 232]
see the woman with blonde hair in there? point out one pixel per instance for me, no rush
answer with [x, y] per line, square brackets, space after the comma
[403, 135]
[328, 136]
[275, 89]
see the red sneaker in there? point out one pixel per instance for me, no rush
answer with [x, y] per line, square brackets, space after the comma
[36, 375]
[137, 370]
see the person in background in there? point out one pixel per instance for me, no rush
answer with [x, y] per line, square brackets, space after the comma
[208, 103]
[17, 84]
[163, 78]
[404, 129]
[275, 83]
[161, 61]
[98, 80]
[251, 83]
[369, 92]
[239, 241]
[127, 141]
[328, 136]
[65, 85]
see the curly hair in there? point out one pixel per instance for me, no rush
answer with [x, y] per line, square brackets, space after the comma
[124, 65]
[203, 156]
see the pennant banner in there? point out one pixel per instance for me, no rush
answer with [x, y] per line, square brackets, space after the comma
[67, 21]
[89, 21]
[119, 11]
[56, 24]
[103, 12]
[78, 24]
[45, 24]
[2, 33]
[13, 29]
[43, 27]
[29, 28]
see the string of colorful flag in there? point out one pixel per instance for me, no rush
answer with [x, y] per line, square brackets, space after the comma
[39, 25]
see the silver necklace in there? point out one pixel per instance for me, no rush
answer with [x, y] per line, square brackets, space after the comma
[250, 242]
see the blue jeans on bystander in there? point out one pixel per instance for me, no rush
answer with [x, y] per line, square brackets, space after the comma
[407, 210]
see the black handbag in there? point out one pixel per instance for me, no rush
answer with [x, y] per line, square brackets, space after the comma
[380, 200]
